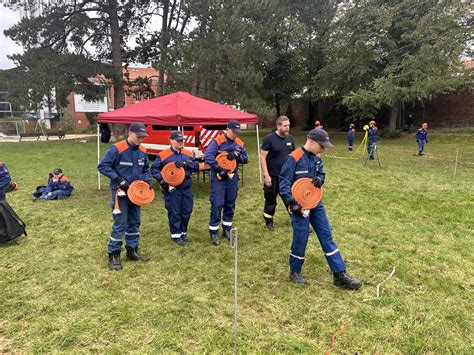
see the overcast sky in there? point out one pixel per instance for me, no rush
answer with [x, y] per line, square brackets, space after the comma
[7, 46]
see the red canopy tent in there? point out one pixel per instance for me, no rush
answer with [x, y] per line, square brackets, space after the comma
[177, 109]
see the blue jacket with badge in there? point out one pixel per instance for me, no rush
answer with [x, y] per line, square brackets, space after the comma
[62, 183]
[172, 156]
[225, 144]
[422, 135]
[373, 135]
[127, 161]
[5, 177]
[300, 164]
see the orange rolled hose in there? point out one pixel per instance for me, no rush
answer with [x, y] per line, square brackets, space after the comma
[306, 194]
[172, 175]
[225, 163]
[140, 193]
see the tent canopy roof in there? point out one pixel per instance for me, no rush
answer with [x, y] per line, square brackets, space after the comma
[177, 109]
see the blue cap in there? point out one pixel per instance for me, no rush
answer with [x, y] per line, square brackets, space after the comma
[177, 136]
[234, 125]
[57, 171]
[321, 136]
[139, 129]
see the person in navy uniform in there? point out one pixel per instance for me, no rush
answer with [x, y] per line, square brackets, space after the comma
[305, 163]
[179, 199]
[224, 183]
[275, 149]
[372, 140]
[125, 162]
[422, 137]
[350, 137]
[59, 186]
[6, 184]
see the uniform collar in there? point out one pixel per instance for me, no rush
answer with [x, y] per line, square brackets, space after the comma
[132, 146]
[174, 150]
[307, 152]
[225, 134]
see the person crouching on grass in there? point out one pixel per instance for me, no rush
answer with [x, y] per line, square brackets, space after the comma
[305, 163]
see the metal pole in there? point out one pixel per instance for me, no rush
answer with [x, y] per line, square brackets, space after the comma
[258, 157]
[98, 155]
[456, 163]
[234, 242]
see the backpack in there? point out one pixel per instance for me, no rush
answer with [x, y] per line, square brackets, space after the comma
[11, 226]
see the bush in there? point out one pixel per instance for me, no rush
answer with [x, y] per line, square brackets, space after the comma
[385, 133]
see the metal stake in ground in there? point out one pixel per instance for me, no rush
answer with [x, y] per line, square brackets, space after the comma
[373, 151]
[233, 242]
[456, 163]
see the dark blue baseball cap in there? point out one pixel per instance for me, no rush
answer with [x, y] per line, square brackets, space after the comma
[177, 136]
[139, 129]
[57, 171]
[321, 136]
[234, 125]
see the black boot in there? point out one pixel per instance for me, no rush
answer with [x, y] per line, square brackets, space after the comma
[268, 223]
[215, 239]
[343, 279]
[179, 241]
[133, 255]
[184, 237]
[297, 278]
[114, 261]
[226, 234]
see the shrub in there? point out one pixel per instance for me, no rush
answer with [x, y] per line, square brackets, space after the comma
[385, 133]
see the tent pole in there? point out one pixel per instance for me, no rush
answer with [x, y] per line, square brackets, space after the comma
[258, 152]
[98, 155]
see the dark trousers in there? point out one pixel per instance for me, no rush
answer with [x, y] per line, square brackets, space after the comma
[179, 204]
[271, 193]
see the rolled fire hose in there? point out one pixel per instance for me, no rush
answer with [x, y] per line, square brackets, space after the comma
[138, 192]
[306, 194]
[225, 163]
[172, 175]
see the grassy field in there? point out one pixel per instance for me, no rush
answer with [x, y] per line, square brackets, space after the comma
[58, 295]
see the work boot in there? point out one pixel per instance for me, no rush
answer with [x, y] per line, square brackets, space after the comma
[114, 261]
[133, 255]
[179, 241]
[184, 237]
[297, 278]
[215, 239]
[226, 234]
[343, 279]
[269, 225]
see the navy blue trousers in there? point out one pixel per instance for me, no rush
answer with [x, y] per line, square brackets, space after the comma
[222, 197]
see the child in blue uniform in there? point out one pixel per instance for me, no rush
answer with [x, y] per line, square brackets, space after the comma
[350, 137]
[372, 140]
[422, 137]
[6, 184]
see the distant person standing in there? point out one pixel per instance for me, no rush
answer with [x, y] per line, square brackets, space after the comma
[275, 149]
[317, 124]
[422, 137]
[372, 139]
[350, 137]
[409, 122]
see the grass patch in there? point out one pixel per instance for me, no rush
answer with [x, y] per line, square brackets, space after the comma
[58, 295]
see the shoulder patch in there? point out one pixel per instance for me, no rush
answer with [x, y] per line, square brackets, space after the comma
[142, 148]
[187, 152]
[64, 178]
[121, 146]
[165, 154]
[221, 139]
[239, 141]
[297, 154]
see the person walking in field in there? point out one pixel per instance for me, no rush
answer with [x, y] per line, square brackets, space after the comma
[421, 138]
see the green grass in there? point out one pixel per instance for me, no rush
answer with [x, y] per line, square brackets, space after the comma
[57, 294]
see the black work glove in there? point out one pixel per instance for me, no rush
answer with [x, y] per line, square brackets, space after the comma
[233, 155]
[122, 183]
[150, 184]
[295, 208]
[318, 182]
[426, 140]
[222, 171]
[164, 185]
[179, 164]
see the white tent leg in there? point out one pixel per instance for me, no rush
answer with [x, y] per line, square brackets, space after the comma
[258, 157]
[98, 155]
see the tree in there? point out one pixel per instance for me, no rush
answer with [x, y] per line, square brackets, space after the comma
[415, 52]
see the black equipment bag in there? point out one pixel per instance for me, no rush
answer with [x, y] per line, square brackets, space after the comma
[11, 226]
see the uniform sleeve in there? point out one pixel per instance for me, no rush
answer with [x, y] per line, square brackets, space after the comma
[321, 173]
[243, 158]
[50, 187]
[5, 177]
[108, 162]
[210, 155]
[156, 168]
[146, 169]
[287, 173]
[266, 144]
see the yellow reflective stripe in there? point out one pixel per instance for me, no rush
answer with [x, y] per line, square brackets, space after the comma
[266, 215]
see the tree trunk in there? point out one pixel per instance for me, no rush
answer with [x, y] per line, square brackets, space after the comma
[277, 105]
[119, 91]
[163, 47]
[392, 125]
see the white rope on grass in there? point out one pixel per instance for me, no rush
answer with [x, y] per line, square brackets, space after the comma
[378, 286]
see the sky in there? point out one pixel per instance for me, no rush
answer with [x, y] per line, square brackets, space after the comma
[7, 46]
